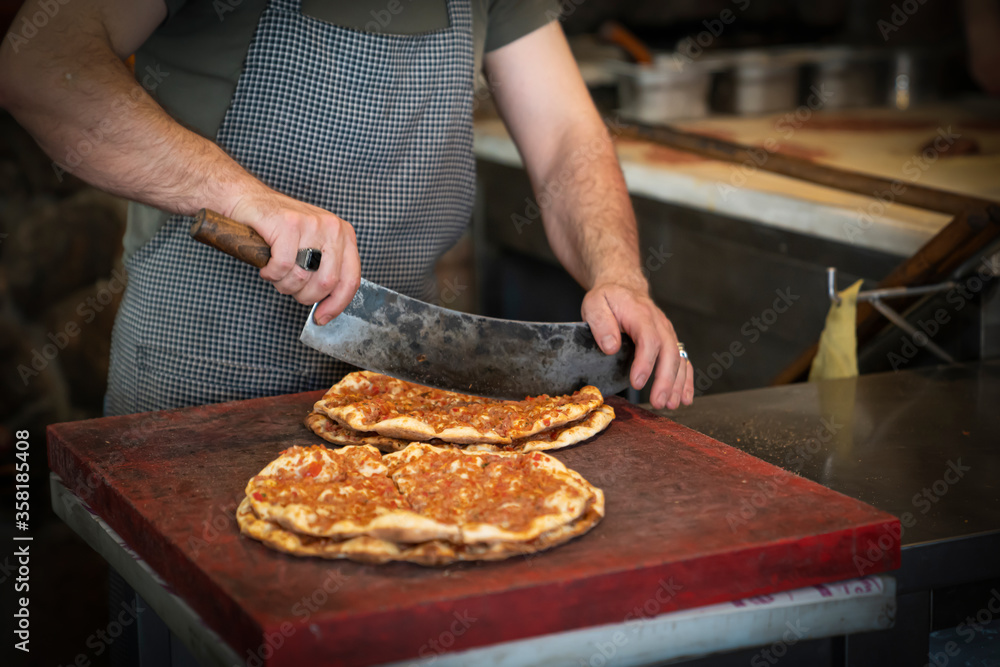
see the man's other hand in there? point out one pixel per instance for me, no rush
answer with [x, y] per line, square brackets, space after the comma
[612, 307]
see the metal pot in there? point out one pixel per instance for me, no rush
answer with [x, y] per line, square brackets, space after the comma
[849, 76]
[673, 87]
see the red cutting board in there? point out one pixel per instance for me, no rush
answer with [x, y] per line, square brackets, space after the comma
[690, 521]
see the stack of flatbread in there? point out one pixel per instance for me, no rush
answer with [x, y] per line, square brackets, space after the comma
[423, 504]
[368, 408]
[463, 477]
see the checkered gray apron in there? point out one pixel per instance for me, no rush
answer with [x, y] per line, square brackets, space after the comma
[374, 127]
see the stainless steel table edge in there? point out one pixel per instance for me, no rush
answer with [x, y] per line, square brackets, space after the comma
[847, 607]
[186, 625]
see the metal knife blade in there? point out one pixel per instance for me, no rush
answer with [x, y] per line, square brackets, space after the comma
[391, 333]
[384, 331]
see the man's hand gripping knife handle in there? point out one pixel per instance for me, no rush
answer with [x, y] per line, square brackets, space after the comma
[231, 237]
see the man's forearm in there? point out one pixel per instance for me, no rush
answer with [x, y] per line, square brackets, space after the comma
[588, 215]
[90, 115]
[587, 211]
[569, 157]
[68, 87]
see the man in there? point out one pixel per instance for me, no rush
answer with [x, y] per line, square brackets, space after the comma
[344, 127]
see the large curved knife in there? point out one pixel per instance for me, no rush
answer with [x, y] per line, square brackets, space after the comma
[384, 331]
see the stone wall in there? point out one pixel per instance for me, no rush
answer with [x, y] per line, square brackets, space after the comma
[60, 285]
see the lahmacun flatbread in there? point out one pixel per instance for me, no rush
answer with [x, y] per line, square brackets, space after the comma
[473, 486]
[464, 422]
[338, 493]
[434, 553]
[403, 410]
[559, 437]
[419, 494]
[553, 438]
[490, 496]
[368, 385]
[338, 434]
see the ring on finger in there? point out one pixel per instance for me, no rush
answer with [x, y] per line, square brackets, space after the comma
[309, 259]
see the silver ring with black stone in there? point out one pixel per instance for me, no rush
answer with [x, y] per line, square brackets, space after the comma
[309, 258]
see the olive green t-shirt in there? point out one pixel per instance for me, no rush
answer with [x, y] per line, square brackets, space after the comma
[193, 60]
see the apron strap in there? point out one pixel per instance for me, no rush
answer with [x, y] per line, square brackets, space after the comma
[288, 5]
[459, 14]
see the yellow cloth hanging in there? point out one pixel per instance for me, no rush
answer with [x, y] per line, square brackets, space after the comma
[838, 344]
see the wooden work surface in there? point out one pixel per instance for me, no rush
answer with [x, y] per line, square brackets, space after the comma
[880, 142]
[689, 522]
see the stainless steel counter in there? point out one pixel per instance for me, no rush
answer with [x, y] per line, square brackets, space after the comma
[923, 444]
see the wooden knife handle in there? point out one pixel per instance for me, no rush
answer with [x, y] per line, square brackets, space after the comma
[231, 237]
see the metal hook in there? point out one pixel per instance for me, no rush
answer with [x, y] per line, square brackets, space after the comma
[885, 292]
[831, 284]
[875, 297]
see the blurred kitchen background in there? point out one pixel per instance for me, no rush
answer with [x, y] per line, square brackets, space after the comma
[861, 86]
[867, 86]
